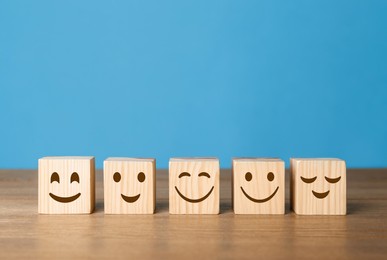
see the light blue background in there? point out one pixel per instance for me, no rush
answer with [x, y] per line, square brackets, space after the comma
[193, 78]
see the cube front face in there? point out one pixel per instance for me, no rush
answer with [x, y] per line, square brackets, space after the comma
[318, 186]
[258, 186]
[66, 185]
[129, 185]
[194, 186]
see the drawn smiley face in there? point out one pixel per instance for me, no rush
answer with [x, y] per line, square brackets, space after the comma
[258, 185]
[66, 185]
[197, 200]
[126, 198]
[324, 194]
[318, 186]
[129, 185]
[270, 177]
[194, 185]
[56, 178]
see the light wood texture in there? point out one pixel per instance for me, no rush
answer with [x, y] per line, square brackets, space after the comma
[194, 186]
[318, 186]
[130, 185]
[361, 234]
[66, 185]
[258, 186]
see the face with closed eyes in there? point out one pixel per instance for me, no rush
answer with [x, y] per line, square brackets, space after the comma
[320, 194]
[201, 178]
[194, 186]
[320, 186]
[318, 179]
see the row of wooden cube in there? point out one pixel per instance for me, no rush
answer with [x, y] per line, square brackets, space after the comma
[67, 186]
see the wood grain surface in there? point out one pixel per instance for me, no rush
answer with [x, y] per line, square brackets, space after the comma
[189, 185]
[26, 234]
[66, 179]
[132, 179]
[258, 179]
[318, 186]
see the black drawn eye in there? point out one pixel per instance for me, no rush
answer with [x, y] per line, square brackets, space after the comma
[308, 180]
[248, 176]
[270, 176]
[334, 180]
[74, 177]
[184, 174]
[204, 174]
[116, 176]
[54, 177]
[141, 177]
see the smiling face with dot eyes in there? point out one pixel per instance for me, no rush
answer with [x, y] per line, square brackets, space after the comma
[129, 199]
[258, 185]
[270, 177]
[129, 185]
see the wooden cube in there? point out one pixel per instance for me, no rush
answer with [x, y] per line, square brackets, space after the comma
[66, 185]
[258, 185]
[194, 186]
[130, 185]
[318, 186]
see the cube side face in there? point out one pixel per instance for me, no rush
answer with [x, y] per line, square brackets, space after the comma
[129, 187]
[92, 185]
[66, 186]
[319, 187]
[292, 184]
[258, 187]
[194, 187]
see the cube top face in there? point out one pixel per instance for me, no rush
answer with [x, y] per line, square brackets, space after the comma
[67, 158]
[318, 186]
[129, 159]
[258, 186]
[256, 159]
[194, 159]
[194, 186]
[66, 185]
[130, 185]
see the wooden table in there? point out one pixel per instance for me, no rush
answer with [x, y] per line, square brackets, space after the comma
[360, 234]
